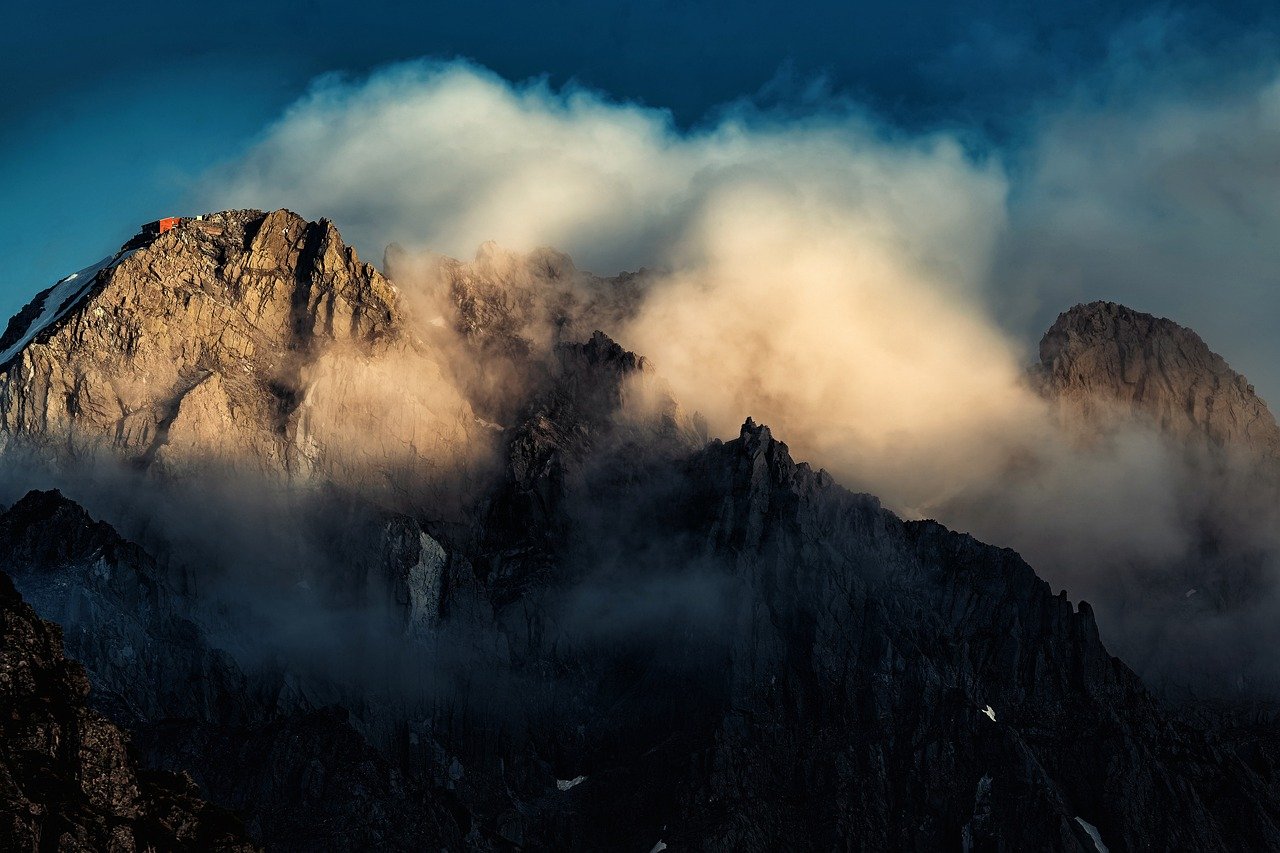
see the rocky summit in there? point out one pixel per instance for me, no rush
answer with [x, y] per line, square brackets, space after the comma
[1106, 368]
[1102, 356]
[372, 566]
[195, 341]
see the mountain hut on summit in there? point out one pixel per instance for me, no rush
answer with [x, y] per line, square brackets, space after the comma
[155, 229]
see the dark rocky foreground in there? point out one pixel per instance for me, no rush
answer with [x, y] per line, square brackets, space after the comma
[67, 778]
[820, 679]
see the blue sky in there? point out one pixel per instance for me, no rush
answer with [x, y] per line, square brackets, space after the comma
[110, 118]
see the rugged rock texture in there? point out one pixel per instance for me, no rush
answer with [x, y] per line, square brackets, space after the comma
[512, 310]
[301, 776]
[67, 781]
[602, 404]
[119, 618]
[1105, 367]
[242, 340]
[1102, 355]
[819, 679]
[623, 637]
[904, 633]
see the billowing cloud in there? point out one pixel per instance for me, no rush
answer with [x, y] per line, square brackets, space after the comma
[831, 277]
[829, 270]
[1168, 202]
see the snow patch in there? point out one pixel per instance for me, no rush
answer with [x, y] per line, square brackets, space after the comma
[59, 300]
[1094, 835]
[990, 712]
[425, 584]
[566, 784]
[659, 847]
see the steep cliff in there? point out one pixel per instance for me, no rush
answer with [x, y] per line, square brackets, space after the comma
[67, 779]
[1198, 614]
[936, 687]
[242, 342]
[823, 674]
[300, 775]
[819, 673]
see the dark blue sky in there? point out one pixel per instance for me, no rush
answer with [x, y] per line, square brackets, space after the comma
[108, 116]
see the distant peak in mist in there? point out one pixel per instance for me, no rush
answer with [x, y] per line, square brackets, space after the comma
[1103, 353]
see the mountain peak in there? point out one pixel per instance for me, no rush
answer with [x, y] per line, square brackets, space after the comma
[1104, 356]
[204, 330]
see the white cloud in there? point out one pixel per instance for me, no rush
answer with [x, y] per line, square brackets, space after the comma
[1169, 204]
[833, 278]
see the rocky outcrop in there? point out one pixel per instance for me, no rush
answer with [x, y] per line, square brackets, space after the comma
[1101, 357]
[302, 777]
[120, 618]
[903, 631]
[512, 310]
[822, 674]
[67, 780]
[1107, 369]
[540, 297]
[601, 404]
[239, 341]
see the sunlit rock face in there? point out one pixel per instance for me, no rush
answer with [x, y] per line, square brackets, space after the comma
[250, 343]
[1103, 357]
[245, 341]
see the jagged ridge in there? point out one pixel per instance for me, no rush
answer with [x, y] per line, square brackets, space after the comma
[730, 649]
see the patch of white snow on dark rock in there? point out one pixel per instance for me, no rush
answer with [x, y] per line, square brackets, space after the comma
[58, 301]
[1093, 834]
